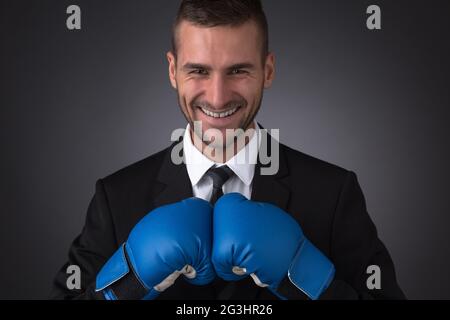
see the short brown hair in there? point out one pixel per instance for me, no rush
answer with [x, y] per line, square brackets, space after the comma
[212, 13]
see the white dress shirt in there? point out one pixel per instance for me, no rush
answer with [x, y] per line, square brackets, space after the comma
[242, 164]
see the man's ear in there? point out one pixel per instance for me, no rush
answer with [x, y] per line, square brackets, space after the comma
[172, 68]
[269, 70]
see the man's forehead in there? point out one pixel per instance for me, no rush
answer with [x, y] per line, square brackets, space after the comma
[246, 29]
[219, 45]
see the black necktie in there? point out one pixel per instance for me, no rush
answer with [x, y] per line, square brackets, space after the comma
[219, 176]
[223, 290]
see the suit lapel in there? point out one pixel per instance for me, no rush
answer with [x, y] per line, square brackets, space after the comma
[174, 182]
[272, 188]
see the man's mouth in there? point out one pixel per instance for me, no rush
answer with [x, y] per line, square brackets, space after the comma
[223, 114]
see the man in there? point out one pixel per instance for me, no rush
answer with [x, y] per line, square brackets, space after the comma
[301, 232]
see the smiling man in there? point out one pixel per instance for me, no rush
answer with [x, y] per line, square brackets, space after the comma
[215, 226]
[220, 65]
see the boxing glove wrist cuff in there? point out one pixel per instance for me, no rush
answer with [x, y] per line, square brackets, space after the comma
[118, 280]
[311, 271]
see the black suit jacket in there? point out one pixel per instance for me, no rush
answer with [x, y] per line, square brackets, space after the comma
[326, 200]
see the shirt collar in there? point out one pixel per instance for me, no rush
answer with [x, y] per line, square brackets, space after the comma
[242, 164]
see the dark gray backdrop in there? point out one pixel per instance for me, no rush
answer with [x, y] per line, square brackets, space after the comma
[79, 105]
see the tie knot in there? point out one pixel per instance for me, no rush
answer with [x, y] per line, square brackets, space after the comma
[219, 175]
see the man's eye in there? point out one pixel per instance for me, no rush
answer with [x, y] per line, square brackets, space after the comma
[199, 72]
[238, 71]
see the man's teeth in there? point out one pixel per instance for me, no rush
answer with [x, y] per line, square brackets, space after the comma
[219, 115]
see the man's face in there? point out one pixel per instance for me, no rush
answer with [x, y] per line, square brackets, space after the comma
[220, 75]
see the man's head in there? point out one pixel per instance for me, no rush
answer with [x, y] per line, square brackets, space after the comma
[220, 63]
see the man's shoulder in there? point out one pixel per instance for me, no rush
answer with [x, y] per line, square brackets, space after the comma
[305, 166]
[146, 169]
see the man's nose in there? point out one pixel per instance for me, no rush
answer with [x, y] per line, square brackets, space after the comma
[218, 93]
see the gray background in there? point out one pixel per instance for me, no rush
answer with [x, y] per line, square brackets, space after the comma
[79, 105]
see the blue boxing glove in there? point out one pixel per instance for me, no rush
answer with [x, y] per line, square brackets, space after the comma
[265, 242]
[170, 241]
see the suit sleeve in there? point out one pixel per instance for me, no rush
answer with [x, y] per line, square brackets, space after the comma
[354, 246]
[89, 251]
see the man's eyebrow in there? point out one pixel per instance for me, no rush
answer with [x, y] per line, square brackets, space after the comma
[245, 65]
[192, 66]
